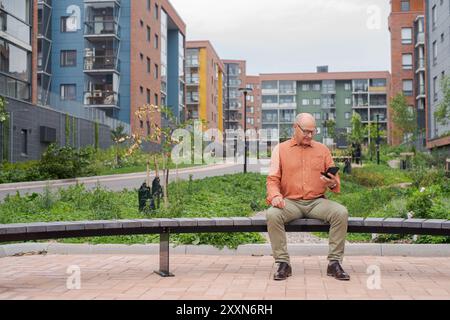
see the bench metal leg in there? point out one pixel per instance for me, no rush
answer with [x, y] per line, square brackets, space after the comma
[164, 256]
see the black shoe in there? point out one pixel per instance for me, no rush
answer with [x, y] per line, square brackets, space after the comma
[284, 271]
[335, 270]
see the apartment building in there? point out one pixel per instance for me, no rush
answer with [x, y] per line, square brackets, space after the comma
[204, 84]
[253, 102]
[117, 55]
[438, 61]
[235, 78]
[407, 28]
[326, 95]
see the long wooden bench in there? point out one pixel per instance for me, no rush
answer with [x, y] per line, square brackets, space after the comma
[164, 227]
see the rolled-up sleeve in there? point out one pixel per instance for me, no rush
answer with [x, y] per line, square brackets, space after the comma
[274, 178]
[330, 163]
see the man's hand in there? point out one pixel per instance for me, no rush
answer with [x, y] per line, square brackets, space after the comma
[330, 183]
[278, 202]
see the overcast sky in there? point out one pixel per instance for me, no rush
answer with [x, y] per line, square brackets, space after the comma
[293, 35]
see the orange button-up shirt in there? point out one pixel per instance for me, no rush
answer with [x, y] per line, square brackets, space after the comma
[295, 171]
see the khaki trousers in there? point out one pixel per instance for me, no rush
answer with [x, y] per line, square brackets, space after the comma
[323, 209]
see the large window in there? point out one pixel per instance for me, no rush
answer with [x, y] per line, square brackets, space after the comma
[15, 61]
[405, 5]
[408, 87]
[19, 8]
[435, 52]
[433, 16]
[68, 58]
[407, 61]
[406, 35]
[15, 27]
[68, 92]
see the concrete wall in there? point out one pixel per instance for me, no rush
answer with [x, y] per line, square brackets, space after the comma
[29, 117]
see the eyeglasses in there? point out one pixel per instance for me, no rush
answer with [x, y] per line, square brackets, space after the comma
[307, 132]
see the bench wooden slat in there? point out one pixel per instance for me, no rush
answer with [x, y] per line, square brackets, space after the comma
[185, 222]
[446, 224]
[258, 221]
[164, 222]
[433, 223]
[355, 221]
[308, 222]
[205, 222]
[412, 223]
[241, 221]
[393, 222]
[223, 221]
[373, 222]
[75, 225]
[130, 224]
[149, 223]
[55, 226]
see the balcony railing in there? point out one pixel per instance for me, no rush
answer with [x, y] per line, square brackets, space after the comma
[288, 105]
[192, 81]
[269, 91]
[192, 63]
[420, 38]
[377, 89]
[288, 91]
[101, 63]
[420, 64]
[101, 98]
[102, 28]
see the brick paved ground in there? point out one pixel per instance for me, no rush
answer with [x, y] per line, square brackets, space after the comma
[219, 277]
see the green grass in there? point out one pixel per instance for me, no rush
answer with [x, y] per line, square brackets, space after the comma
[140, 168]
[223, 196]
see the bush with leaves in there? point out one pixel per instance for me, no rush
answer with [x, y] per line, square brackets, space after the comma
[67, 162]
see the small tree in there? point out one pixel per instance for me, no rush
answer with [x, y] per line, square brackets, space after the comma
[403, 116]
[442, 113]
[357, 134]
[119, 136]
[331, 128]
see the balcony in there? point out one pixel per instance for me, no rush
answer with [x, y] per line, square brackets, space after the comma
[420, 65]
[421, 92]
[288, 91]
[379, 90]
[101, 98]
[269, 91]
[192, 63]
[420, 39]
[106, 28]
[288, 105]
[360, 89]
[192, 81]
[270, 105]
[99, 64]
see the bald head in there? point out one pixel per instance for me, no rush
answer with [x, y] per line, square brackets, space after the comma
[305, 120]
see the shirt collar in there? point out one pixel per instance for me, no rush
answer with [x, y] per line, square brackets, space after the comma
[293, 143]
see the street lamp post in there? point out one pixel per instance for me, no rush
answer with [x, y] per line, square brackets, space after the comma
[378, 139]
[245, 91]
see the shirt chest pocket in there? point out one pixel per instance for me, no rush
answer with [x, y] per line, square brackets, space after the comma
[318, 163]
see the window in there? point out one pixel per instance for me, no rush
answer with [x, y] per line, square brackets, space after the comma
[69, 24]
[316, 87]
[156, 41]
[156, 71]
[406, 35]
[435, 88]
[148, 96]
[316, 102]
[156, 99]
[149, 66]
[68, 58]
[305, 87]
[347, 86]
[317, 115]
[348, 101]
[149, 5]
[156, 11]
[305, 102]
[407, 87]
[318, 130]
[149, 34]
[141, 89]
[68, 92]
[142, 23]
[148, 127]
[347, 115]
[142, 56]
[407, 61]
[141, 124]
[442, 38]
[24, 136]
[433, 17]
[405, 5]
[435, 52]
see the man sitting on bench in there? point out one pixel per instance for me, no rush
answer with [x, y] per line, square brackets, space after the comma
[296, 188]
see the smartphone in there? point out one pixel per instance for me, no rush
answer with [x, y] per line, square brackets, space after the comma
[332, 170]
